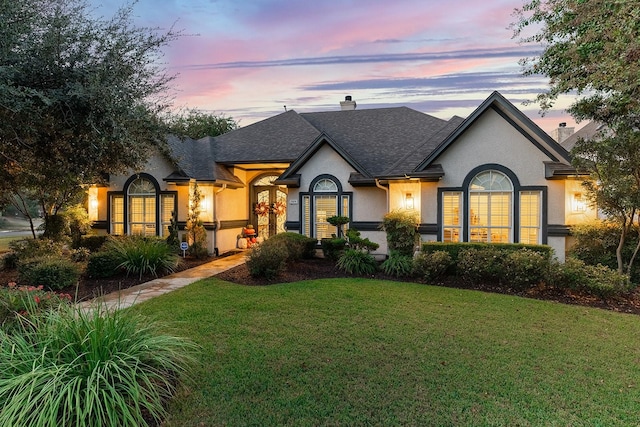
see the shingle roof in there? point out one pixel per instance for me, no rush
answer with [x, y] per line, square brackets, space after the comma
[279, 138]
[587, 132]
[377, 138]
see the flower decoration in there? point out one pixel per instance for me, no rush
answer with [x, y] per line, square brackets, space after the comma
[262, 209]
[279, 208]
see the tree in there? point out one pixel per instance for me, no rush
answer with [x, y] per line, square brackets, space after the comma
[196, 233]
[592, 48]
[197, 124]
[613, 163]
[80, 97]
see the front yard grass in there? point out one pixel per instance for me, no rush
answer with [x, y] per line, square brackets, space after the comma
[365, 352]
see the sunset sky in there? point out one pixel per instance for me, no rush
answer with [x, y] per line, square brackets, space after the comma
[247, 59]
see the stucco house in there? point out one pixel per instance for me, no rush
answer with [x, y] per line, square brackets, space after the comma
[494, 177]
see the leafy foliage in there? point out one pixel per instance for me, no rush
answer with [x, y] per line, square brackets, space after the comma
[103, 264]
[268, 258]
[143, 255]
[432, 265]
[354, 261]
[402, 231]
[597, 280]
[524, 269]
[197, 124]
[54, 273]
[89, 368]
[397, 265]
[480, 265]
[333, 248]
[16, 302]
[196, 234]
[72, 83]
[298, 245]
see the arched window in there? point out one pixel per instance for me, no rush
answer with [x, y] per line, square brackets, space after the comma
[324, 200]
[490, 207]
[141, 208]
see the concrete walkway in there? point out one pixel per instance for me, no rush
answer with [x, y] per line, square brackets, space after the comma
[144, 291]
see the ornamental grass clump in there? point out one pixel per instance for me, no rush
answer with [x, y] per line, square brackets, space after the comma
[143, 255]
[93, 368]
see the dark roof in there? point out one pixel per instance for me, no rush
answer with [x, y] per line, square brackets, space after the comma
[587, 132]
[280, 138]
[386, 143]
[194, 159]
[377, 138]
[517, 118]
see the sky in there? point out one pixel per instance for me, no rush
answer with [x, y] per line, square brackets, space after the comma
[252, 59]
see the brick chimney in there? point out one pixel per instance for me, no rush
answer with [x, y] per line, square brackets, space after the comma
[347, 104]
[562, 132]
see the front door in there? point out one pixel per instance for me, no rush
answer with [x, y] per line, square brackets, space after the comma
[269, 206]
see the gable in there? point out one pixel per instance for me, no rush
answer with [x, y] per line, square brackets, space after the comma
[493, 140]
[516, 119]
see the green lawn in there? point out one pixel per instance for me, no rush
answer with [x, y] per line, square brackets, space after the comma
[359, 352]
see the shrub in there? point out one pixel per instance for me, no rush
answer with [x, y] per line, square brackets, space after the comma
[298, 245]
[143, 255]
[356, 242]
[433, 265]
[103, 264]
[524, 268]
[34, 248]
[80, 254]
[78, 367]
[480, 265]
[402, 232]
[596, 243]
[598, 280]
[16, 301]
[454, 249]
[354, 261]
[54, 273]
[93, 243]
[267, 259]
[397, 265]
[333, 248]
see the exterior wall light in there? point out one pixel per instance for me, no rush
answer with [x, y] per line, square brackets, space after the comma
[578, 204]
[408, 201]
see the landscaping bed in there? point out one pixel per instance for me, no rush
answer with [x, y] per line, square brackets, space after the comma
[318, 268]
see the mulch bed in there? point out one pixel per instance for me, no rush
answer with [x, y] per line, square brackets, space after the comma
[91, 288]
[319, 268]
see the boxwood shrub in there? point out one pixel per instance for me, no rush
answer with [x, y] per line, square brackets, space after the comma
[54, 273]
[298, 245]
[103, 264]
[454, 249]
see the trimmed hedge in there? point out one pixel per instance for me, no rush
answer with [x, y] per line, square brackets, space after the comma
[298, 245]
[454, 249]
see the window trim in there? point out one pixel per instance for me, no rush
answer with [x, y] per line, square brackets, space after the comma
[125, 194]
[340, 208]
[517, 188]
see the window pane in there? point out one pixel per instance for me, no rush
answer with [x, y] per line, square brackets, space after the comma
[117, 215]
[325, 207]
[306, 216]
[325, 185]
[530, 217]
[166, 208]
[451, 220]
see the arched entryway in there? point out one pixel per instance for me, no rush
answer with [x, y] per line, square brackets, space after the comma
[268, 206]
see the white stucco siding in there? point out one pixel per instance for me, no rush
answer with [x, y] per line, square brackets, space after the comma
[157, 166]
[491, 139]
[325, 161]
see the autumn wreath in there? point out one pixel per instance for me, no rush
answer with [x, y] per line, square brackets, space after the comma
[262, 209]
[279, 208]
